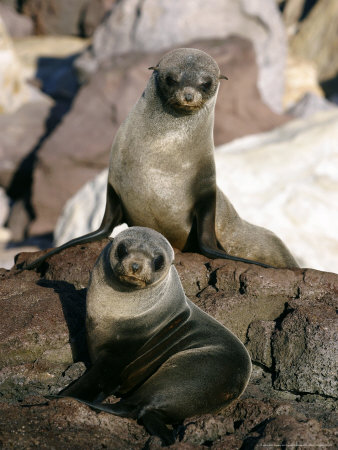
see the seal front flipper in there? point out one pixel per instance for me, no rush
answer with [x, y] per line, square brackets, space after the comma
[113, 216]
[100, 380]
[205, 214]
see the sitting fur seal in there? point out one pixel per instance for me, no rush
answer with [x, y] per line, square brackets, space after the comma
[162, 170]
[149, 344]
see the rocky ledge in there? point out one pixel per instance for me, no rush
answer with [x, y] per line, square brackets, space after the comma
[286, 318]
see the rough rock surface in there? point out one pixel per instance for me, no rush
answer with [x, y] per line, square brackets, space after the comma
[41, 334]
[284, 180]
[300, 347]
[79, 148]
[153, 25]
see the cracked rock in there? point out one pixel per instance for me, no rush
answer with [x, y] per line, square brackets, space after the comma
[259, 341]
[305, 348]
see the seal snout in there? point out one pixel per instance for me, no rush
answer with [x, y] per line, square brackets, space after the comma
[188, 97]
[135, 267]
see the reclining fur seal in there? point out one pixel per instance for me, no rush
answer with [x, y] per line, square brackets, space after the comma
[149, 344]
[162, 170]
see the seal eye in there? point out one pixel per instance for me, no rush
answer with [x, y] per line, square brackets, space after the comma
[121, 251]
[170, 81]
[158, 262]
[206, 85]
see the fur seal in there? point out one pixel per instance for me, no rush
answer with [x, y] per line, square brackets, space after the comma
[149, 344]
[162, 170]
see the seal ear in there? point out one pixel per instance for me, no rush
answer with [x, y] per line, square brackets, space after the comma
[155, 68]
[223, 77]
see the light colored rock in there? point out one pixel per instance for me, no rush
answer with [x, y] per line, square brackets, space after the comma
[20, 131]
[13, 89]
[310, 104]
[17, 24]
[285, 180]
[153, 25]
[291, 14]
[30, 49]
[301, 77]
[317, 38]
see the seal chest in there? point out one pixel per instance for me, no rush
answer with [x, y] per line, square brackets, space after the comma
[149, 344]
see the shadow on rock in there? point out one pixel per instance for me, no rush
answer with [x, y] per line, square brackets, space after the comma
[73, 304]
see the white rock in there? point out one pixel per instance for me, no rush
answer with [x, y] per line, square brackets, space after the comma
[13, 90]
[285, 180]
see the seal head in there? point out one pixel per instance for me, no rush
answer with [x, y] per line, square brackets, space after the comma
[186, 79]
[140, 257]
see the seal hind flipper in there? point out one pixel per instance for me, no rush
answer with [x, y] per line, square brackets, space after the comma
[113, 216]
[205, 216]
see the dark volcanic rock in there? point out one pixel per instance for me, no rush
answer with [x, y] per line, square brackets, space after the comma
[37, 423]
[305, 348]
[42, 334]
[79, 147]
[259, 341]
[73, 266]
[285, 431]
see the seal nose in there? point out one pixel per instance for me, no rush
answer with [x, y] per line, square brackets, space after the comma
[135, 267]
[188, 96]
